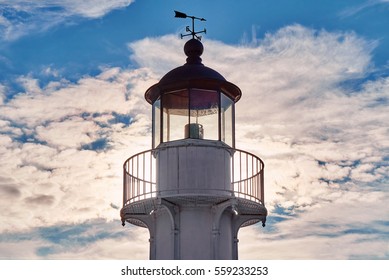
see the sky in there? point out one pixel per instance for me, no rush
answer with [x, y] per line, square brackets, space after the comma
[315, 83]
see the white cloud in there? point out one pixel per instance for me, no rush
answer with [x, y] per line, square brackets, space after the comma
[101, 94]
[59, 163]
[325, 146]
[93, 8]
[24, 16]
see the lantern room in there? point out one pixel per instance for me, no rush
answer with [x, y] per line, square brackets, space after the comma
[193, 102]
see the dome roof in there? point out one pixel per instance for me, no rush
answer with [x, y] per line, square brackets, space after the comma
[193, 74]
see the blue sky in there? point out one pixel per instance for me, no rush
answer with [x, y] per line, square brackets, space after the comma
[314, 76]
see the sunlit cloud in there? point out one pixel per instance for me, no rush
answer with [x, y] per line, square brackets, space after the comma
[63, 146]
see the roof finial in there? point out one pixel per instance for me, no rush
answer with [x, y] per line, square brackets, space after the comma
[191, 31]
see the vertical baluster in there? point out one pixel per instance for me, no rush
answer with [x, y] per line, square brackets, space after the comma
[128, 182]
[137, 176]
[252, 181]
[238, 174]
[232, 173]
[131, 177]
[256, 179]
[124, 185]
[151, 172]
[144, 175]
[262, 184]
[131, 167]
[245, 180]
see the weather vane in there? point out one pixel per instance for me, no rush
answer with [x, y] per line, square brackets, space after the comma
[191, 31]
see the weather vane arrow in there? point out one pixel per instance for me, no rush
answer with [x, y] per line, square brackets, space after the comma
[191, 31]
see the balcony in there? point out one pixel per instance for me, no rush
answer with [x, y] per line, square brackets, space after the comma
[142, 187]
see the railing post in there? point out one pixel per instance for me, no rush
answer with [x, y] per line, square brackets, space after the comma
[144, 175]
[124, 184]
[262, 184]
[150, 179]
[232, 172]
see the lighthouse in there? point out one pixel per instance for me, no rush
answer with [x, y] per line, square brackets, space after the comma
[193, 190]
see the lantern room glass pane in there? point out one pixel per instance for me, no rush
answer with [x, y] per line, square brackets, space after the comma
[175, 106]
[227, 120]
[204, 115]
[156, 123]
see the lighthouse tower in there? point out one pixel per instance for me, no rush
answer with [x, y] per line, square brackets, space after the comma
[193, 190]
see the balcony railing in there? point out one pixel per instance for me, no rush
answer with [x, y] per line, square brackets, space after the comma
[140, 177]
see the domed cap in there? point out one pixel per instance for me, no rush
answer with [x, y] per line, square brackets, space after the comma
[193, 74]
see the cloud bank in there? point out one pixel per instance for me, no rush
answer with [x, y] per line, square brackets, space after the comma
[307, 110]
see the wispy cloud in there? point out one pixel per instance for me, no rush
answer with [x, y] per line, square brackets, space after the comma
[325, 145]
[20, 17]
[358, 8]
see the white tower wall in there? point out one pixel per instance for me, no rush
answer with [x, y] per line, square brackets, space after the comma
[195, 233]
[193, 175]
[193, 166]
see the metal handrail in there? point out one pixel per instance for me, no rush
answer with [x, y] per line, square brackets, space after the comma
[248, 181]
[140, 176]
